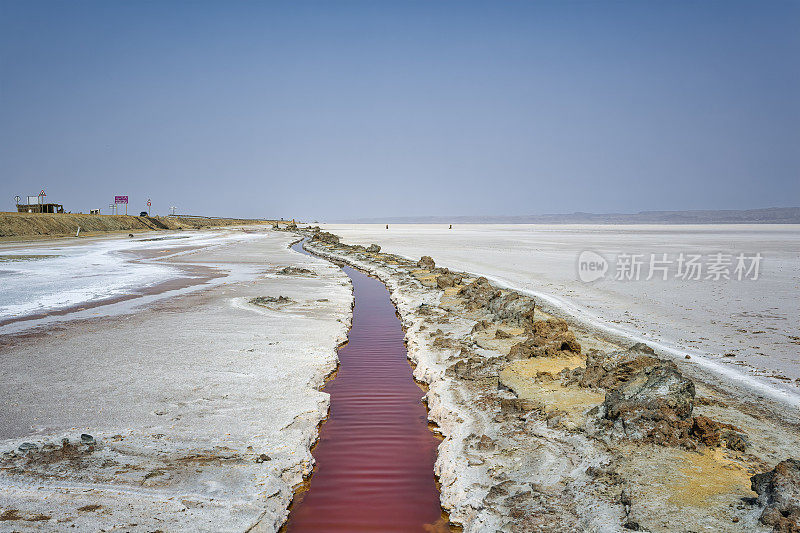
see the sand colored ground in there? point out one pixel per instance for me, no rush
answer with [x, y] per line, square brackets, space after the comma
[27, 225]
[533, 380]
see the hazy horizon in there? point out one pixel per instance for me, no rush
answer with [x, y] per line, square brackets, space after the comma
[773, 215]
[346, 110]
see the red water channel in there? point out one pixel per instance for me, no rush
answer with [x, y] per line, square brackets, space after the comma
[374, 459]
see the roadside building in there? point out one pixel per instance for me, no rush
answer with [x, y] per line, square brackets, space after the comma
[36, 204]
[40, 208]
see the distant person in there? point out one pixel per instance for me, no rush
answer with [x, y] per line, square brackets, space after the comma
[451, 226]
[387, 226]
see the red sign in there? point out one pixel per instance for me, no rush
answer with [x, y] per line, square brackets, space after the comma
[148, 203]
[120, 199]
[42, 193]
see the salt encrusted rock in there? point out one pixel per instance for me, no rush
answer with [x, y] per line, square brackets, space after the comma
[442, 341]
[548, 338]
[555, 331]
[735, 439]
[469, 366]
[324, 236]
[649, 399]
[481, 325]
[266, 301]
[88, 439]
[507, 307]
[652, 406]
[295, 271]
[513, 309]
[516, 406]
[707, 431]
[478, 293]
[426, 262]
[607, 371]
[713, 433]
[779, 492]
[373, 248]
[447, 279]
[500, 334]
[425, 309]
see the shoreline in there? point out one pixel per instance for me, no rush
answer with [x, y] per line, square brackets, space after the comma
[192, 275]
[187, 277]
[712, 369]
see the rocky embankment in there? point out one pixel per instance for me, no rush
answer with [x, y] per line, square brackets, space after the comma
[22, 225]
[548, 428]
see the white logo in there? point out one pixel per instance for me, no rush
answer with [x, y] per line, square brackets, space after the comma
[591, 266]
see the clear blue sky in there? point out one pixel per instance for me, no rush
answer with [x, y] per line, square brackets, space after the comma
[355, 109]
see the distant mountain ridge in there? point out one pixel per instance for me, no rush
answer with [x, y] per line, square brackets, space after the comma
[770, 215]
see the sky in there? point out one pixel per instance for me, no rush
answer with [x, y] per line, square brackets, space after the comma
[343, 109]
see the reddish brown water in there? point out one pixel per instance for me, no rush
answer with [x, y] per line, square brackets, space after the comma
[374, 459]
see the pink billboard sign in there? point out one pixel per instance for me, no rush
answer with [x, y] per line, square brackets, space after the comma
[120, 199]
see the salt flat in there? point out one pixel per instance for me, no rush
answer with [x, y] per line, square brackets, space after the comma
[47, 276]
[203, 406]
[531, 444]
[754, 321]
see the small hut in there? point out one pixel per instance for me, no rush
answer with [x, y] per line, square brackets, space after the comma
[40, 208]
